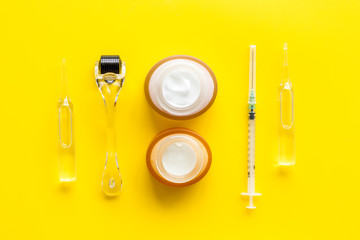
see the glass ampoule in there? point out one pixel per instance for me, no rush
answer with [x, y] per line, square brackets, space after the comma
[67, 167]
[286, 154]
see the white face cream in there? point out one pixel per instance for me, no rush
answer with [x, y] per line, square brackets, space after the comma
[181, 87]
[179, 159]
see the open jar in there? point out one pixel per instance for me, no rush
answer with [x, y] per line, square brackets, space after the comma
[180, 87]
[178, 157]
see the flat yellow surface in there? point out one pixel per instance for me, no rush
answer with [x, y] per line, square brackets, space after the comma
[317, 199]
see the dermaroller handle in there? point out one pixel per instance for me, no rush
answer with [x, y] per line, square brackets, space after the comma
[111, 182]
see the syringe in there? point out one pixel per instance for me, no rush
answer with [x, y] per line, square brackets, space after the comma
[251, 128]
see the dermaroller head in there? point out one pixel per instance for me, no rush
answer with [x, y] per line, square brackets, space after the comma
[110, 63]
[110, 68]
[109, 76]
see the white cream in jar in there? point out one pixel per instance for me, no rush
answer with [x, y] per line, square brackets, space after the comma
[179, 158]
[181, 87]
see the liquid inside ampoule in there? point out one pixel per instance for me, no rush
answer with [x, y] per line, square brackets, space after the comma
[67, 171]
[286, 142]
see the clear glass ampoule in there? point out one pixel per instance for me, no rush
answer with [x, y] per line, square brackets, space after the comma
[286, 141]
[67, 171]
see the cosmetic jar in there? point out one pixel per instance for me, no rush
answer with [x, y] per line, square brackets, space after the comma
[178, 157]
[180, 87]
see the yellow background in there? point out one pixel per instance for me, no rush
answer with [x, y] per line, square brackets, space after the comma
[317, 199]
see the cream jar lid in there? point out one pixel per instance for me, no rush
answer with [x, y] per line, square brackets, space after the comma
[180, 87]
[178, 157]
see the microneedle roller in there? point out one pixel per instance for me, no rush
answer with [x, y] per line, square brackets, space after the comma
[110, 76]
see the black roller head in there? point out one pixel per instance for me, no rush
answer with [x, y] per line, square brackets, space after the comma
[110, 63]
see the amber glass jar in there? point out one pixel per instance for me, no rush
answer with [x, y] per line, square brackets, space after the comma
[180, 87]
[178, 157]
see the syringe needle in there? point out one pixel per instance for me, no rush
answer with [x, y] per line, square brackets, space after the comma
[252, 73]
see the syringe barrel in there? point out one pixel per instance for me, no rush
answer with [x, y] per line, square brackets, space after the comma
[251, 152]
